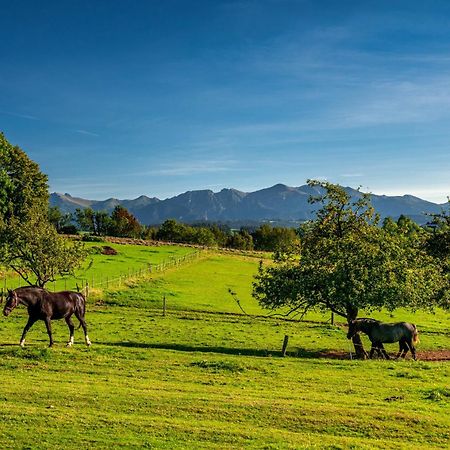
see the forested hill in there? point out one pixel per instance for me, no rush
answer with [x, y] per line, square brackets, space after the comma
[280, 203]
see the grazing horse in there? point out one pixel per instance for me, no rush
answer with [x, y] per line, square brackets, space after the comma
[404, 333]
[48, 306]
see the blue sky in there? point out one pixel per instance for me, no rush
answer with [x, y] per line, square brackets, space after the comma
[122, 98]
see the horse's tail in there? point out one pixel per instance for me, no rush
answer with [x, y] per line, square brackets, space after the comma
[415, 337]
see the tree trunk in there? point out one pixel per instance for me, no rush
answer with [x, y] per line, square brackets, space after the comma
[359, 348]
[352, 314]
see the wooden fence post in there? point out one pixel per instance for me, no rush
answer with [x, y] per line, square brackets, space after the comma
[285, 344]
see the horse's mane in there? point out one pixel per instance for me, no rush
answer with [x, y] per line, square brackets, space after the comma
[23, 288]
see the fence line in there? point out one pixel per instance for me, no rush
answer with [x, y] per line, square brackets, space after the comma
[84, 284]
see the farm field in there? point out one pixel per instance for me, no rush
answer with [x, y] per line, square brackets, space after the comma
[208, 376]
[100, 270]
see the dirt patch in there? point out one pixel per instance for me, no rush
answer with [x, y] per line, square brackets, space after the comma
[426, 355]
[107, 250]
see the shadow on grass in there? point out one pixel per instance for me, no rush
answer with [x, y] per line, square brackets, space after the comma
[299, 353]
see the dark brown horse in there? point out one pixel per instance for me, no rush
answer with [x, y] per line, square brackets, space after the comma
[48, 306]
[404, 333]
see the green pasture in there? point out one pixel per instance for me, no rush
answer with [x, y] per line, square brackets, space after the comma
[104, 270]
[207, 376]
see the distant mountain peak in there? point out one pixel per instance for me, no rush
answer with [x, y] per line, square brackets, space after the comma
[280, 204]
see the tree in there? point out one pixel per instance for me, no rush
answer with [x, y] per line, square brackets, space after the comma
[22, 185]
[438, 246]
[95, 222]
[62, 222]
[347, 263]
[172, 231]
[241, 240]
[38, 253]
[124, 224]
[438, 243]
[275, 239]
[202, 236]
[29, 243]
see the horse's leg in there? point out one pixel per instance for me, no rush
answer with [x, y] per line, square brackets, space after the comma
[29, 324]
[48, 324]
[83, 324]
[71, 330]
[372, 350]
[412, 348]
[384, 352]
[405, 349]
[400, 348]
[379, 350]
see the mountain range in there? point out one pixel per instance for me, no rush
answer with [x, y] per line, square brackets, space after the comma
[279, 204]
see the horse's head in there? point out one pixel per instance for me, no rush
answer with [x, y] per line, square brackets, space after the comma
[352, 328]
[12, 300]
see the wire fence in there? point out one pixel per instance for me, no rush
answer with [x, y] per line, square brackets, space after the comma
[103, 281]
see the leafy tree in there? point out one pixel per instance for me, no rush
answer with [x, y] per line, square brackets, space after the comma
[62, 222]
[22, 186]
[172, 231]
[241, 240]
[220, 232]
[95, 222]
[124, 224]
[149, 232]
[438, 243]
[438, 246]
[275, 239]
[29, 243]
[202, 236]
[85, 219]
[102, 223]
[406, 225]
[347, 263]
[38, 253]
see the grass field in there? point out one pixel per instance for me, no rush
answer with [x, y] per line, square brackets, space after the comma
[207, 376]
[100, 270]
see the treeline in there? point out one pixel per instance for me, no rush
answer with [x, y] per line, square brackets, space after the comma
[121, 223]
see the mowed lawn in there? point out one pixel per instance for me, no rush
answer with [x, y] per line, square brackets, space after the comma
[205, 376]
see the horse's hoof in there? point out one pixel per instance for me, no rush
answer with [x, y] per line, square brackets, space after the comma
[69, 344]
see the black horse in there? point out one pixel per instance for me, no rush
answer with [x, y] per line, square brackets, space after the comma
[48, 306]
[404, 333]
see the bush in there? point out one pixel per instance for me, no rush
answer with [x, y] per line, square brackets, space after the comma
[91, 238]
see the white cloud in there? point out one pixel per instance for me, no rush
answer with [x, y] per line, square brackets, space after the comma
[88, 133]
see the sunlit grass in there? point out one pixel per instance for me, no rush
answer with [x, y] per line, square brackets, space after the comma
[207, 376]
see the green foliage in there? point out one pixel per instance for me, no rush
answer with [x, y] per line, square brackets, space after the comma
[38, 253]
[347, 263]
[275, 239]
[29, 242]
[22, 186]
[241, 240]
[124, 224]
[95, 222]
[62, 222]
